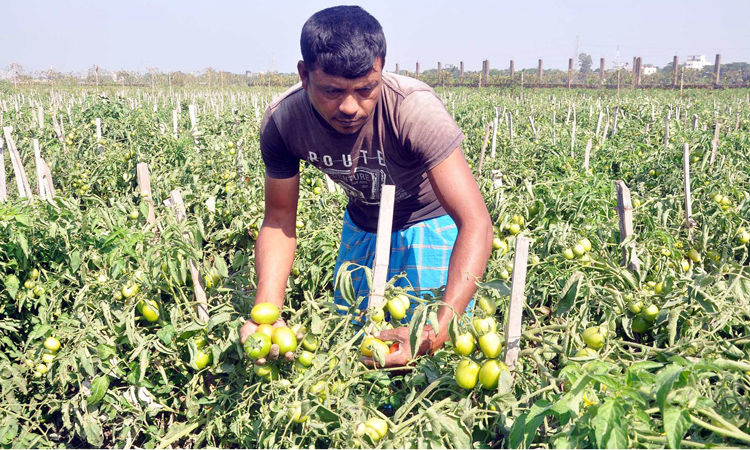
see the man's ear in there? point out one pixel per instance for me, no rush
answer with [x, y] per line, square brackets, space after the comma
[304, 75]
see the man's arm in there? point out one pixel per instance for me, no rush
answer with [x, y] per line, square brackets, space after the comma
[277, 241]
[458, 193]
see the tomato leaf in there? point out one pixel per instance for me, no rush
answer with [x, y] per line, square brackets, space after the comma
[676, 423]
[98, 389]
[416, 325]
[75, 260]
[93, 430]
[11, 285]
[664, 382]
[609, 429]
[105, 351]
[569, 294]
[221, 266]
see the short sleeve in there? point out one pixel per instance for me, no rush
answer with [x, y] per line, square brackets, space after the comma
[428, 132]
[279, 161]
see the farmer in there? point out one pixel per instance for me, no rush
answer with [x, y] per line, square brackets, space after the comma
[365, 128]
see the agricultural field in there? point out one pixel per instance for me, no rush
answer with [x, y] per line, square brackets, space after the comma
[106, 340]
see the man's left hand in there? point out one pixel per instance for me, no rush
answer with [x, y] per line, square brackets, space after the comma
[404, 354]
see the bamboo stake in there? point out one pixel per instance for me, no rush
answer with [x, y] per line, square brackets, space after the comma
[382, 246]
[144, 188]
[494, 134]
[39, 171]
[689, 222]
[3, 188]
[715, 143]
[515, 309]
[200, 294]
[24, 191]
[484, 148]
[625, 213]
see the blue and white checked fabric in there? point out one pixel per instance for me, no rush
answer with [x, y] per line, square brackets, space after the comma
[422, 251]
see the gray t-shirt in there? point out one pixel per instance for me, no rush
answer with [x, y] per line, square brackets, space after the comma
[408, 133]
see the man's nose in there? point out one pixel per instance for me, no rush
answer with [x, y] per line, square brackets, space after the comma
[349, 106]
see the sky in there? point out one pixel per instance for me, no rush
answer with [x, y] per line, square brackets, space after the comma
[235, 36]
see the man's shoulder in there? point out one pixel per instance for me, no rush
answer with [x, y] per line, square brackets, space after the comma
[403, 86]
[290, 100]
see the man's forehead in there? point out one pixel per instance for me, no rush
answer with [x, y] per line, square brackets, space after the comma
[322, 78]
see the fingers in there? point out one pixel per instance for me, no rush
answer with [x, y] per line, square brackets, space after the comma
[247, 329]
[273, 354]
[396, 359]
[289, 356]
[260, 361]
[394, 334]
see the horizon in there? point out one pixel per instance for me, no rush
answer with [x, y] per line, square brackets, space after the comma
[142, 34]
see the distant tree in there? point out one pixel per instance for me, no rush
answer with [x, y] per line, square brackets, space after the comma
[584, 60]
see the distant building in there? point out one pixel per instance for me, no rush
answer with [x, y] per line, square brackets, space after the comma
[649, 70]
[696, 62]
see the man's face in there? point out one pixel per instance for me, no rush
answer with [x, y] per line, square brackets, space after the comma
[344, 103]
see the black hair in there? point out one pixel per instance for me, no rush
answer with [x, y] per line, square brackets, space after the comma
[342, 41]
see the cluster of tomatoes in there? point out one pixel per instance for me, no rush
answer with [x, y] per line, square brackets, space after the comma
[483, 331]
[32, 284]
[258, 346]
[51, 347]
[580, 250]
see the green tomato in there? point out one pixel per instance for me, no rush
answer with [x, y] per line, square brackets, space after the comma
[202, 359]
[489, 374]
[47, 358]
[483, 326]
[514, 228]
[490, 345]
[265, 313]
[130, 291]
[467, 373]
[396, 308]
[295, 412]
[640, 325]
[310, 342]
[635, 307]
[650, 313]
[579, 250]
[34, 274]
[377, 315]
[586, 352]
[465, 344]
[285, 339]
[257, 346]
[306, 358]
[586, 244]
[594, 337]
[488, 305]
[568, 254]
[268, 372]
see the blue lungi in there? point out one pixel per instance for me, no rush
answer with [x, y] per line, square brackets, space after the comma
[422, 251]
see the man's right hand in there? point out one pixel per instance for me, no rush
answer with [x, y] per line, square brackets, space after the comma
[251, 327]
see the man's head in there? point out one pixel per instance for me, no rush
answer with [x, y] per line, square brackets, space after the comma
[343, 51]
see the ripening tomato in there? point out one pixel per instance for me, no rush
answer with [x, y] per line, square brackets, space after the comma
[257, 345]
[489, 374]
[467, 373]
[490, 345]
[264, 313]
[369, 345]
[48, 357]
[265, 329]
[149, 310]
[394, 348]
[376, 428]
[465, 344]
[52, 344]
[285, 339]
